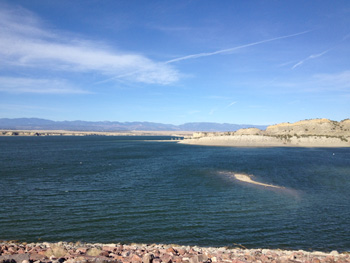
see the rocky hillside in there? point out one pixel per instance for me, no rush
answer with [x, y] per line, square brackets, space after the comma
[311, 127]
[307, 133]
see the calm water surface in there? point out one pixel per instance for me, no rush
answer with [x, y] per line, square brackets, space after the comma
[138, 189]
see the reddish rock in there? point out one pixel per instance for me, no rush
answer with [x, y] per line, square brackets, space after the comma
[171, 250]
[104, 254]
[194, 259]
[177, 259]
[166, 258]
[329, 259]
[213, 259]
[225, 256]
[36, 256]
[157, 253]
[108, 248]
[30, 250]
[81, 250]
[126, 254]
[147, 258]
[316, 260]
[37, 248]
[162, 251]
[192, 251]
[42, 252]
[16, 257]
[202, 258]
[12, 250]
[264, 258]
[181, 251]
[120, 248]
[136, 258]
[284, 259]
[21, 251]
[118, 257]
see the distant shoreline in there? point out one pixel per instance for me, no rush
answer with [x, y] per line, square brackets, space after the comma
[243, 140]
[92, 133]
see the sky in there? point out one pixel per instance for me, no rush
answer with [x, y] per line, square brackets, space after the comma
[175, 61]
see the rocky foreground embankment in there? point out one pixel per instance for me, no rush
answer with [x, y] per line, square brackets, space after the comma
[63, 252]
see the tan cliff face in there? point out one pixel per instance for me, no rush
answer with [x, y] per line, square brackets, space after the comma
[311, 127]
[249, 131]
[316, 127]
[307, 133]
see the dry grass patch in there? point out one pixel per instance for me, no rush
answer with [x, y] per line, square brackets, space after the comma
[56, 251]
[94, 252]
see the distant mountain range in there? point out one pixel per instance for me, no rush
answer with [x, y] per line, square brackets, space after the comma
[113, 126]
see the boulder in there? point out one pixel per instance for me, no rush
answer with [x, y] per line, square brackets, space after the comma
[147, 258]
[17, 258]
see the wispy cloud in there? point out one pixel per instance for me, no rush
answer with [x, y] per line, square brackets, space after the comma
[317, 83]
[216, 97]
[335, 81]
[194, 112]
[27, 108]
[231, 104]
[26, 43]
[212, 111]
[39, 86]
[309, 58]
[228, 50]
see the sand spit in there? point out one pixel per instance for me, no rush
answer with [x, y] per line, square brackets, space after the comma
[247, 179]
[63, 252]
[267, 141]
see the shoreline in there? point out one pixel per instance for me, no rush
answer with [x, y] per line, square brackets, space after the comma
[266, 141]
[64, 252]
[5, 133]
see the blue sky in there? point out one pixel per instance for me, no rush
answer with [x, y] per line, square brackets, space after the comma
[176, 61]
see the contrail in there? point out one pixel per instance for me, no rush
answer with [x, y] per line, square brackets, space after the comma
[310, 57]
[206, 54]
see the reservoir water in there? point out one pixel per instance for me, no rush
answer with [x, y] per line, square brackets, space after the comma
[140, 189]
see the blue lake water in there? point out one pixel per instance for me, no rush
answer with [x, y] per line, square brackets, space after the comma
[138, 189]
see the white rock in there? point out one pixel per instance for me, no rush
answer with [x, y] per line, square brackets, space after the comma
[334, 253]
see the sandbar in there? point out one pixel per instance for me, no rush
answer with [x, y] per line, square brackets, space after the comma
[246, 178]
